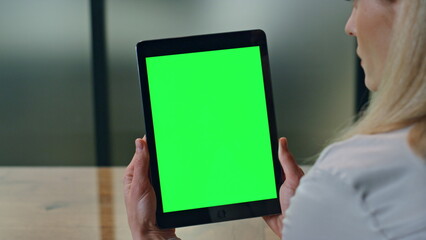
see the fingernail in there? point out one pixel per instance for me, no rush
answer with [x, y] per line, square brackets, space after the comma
[139, 145]
[284, 143]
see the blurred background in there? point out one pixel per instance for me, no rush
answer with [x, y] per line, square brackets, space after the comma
[69, 89]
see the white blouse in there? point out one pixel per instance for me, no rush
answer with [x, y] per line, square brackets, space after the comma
[367, 187]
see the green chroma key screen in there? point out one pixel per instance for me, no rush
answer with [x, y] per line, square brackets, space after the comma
[211, 128]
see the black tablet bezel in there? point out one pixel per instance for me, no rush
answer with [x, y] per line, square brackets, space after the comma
[199, 43]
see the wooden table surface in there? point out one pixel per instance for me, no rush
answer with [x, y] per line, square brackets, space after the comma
[87, 203]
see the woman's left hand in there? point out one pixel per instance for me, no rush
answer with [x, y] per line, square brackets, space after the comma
[140, 197]
[293, 173]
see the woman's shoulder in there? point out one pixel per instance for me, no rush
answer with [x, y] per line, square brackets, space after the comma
[385, 173]
[363, 152]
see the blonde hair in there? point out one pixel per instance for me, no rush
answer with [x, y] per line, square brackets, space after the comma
[401, 99]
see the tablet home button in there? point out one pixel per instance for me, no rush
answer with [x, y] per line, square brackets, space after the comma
[221, 214]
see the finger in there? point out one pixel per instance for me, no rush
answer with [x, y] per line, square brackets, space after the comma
[149, 172]
[141, 161]
[134, 159]
[136, 155]
[145, 156]
[287, 161]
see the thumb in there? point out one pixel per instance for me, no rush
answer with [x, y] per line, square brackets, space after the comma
[288, 163]
[141, 160]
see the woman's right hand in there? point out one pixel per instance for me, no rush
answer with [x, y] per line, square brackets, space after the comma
[293, 173]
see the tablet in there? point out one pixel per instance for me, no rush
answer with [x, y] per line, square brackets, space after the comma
[210, 127]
